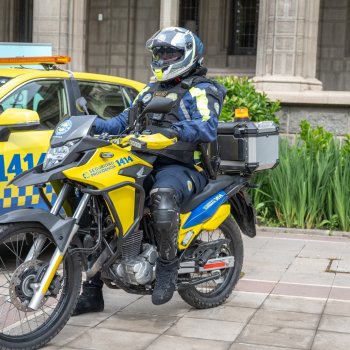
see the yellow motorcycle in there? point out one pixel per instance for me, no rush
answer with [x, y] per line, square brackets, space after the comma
[100, 222]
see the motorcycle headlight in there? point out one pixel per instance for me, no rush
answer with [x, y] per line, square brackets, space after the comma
[55, 156]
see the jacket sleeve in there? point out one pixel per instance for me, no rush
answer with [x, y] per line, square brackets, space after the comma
[201, 108]
[119, 123]
[113, 126]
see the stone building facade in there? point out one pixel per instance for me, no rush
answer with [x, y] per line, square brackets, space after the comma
[297, 51]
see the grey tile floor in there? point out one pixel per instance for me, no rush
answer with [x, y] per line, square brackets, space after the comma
[284, 301]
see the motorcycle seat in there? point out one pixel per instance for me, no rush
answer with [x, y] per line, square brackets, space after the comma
[213, 187]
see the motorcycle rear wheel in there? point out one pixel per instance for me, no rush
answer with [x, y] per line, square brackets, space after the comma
[20, 327]
[214, 293]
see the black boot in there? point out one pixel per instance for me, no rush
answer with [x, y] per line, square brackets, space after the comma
[166, 277]
[90, 300]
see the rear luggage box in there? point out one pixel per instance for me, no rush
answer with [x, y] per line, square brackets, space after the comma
[246, 147]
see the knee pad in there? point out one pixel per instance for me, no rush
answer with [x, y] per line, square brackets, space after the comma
[165, 213]
[164, 209]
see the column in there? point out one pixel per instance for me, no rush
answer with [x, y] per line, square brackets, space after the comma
[61, 23]
[169, 13]
[287, 45]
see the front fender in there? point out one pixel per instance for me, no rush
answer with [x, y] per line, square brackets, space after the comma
[244, 213]
[59, 228]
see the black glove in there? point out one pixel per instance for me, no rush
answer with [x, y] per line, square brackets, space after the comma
[169, 132]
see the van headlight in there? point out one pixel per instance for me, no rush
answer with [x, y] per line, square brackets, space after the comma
[55, 156]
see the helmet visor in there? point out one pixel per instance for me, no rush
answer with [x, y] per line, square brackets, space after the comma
[163, 55]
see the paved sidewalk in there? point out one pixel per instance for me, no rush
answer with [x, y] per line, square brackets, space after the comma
[295, 294]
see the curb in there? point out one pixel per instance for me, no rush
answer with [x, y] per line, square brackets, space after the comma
[298, 231]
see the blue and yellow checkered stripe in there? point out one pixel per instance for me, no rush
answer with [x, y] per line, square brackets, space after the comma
[13, 197]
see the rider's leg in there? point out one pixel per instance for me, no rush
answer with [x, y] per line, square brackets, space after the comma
[165, 213]
[174, 185]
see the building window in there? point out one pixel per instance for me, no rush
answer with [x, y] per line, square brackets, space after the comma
[244, 27]
[23, 20]
[189, 15]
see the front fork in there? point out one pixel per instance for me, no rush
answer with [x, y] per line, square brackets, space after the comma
[40, 289]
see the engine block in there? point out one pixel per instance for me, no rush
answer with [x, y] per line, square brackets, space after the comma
[138, 270]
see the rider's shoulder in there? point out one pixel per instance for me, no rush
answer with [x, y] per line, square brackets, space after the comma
[212, 87]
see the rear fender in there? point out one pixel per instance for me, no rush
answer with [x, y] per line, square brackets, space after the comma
[243, 212]
[59, 228]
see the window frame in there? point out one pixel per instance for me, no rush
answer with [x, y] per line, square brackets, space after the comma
[234, 49]
[124, 89]
[63, 81]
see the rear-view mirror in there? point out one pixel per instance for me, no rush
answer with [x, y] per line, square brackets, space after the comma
[17, 119]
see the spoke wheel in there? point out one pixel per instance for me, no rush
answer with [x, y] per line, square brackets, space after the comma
[215, 292]
[20, 326]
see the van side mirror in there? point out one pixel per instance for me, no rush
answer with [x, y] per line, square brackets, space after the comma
[17, 119]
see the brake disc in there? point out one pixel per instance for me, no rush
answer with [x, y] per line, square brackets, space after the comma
[21, 284]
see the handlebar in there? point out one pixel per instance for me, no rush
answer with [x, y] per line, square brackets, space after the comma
[143, 142]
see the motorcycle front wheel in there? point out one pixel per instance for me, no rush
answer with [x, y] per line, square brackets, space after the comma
[215, 292]
[21, 327]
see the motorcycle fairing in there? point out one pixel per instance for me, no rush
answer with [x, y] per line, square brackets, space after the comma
[205, 210]
[100, 173]
[187, 235]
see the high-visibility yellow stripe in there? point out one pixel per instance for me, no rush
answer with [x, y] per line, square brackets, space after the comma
[142, 92]
[52, 274]
[197, 157]
[202, 102]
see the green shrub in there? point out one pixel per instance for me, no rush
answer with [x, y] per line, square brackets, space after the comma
[241, 93]
[310, 187]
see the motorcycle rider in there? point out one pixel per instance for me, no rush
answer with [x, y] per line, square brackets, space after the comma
[177, 58]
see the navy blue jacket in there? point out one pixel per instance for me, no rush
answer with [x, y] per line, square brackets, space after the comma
[198, 112]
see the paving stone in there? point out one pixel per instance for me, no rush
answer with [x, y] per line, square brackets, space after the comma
[261, 274]
[139, 323]
[305, 265]
[175, 343]
[257, 286]
[308, 278]
[271, 256]
[107, 339]
[246, 299]
[145, 306]
[335, 323]
[337, 307]
[302, 290]
[240, 346]
[331, 340]
[341, 280]
[277, 336]
[285, 319]
[317, 250]
[224, 313]
[68, 334]
[297, 304]
[206, 329]
[113, 303]
[340, 293]
[278, 244]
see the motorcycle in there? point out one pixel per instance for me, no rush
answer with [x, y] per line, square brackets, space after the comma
[100, 222]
